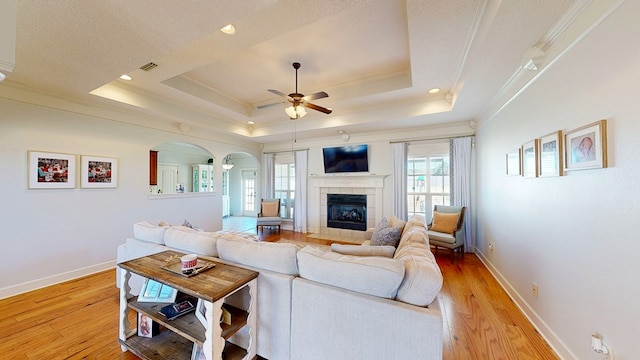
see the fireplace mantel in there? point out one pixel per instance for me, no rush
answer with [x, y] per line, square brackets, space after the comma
[361, 181]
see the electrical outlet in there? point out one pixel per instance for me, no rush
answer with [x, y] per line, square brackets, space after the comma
[491, 247]
[534, 290]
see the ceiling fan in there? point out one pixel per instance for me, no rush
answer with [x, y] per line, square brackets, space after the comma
[299, 101]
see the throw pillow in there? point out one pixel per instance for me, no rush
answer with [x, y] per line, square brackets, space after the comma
[270, 208]
[444, 222]
[187, 224]
[384, 234]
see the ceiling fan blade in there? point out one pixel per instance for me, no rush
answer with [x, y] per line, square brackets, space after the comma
[318, 108]
[270, 105]
[278, 93]
[318, 95]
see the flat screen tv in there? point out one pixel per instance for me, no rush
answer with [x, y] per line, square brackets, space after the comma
[351, 158]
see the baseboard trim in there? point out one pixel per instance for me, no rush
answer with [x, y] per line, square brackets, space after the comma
[55, 279]
[545, 331]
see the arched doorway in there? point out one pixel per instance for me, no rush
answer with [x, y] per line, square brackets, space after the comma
[177, 167]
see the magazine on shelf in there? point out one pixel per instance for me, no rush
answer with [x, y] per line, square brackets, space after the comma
[174, 310]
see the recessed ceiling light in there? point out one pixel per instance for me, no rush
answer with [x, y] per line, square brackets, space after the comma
[434, 91]
[251, 122]
[229, 29]
[126, 77]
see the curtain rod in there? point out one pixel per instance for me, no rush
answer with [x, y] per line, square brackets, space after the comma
[434, 138]
[283, 151]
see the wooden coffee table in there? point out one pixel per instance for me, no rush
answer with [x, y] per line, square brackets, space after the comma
[177, 339]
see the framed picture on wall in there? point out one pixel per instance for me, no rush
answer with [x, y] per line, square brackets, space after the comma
[514, 163]
[550, 155]
[586, 147]
[530, 159]
[51, 170]
[98, 172]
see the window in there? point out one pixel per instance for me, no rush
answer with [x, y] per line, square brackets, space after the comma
[428, 181]
[285, 183]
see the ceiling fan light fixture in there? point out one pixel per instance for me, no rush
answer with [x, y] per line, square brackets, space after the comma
[295, 112]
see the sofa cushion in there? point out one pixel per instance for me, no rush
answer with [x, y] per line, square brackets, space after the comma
[376, 276]
[415, 220]
[363, 250]
[147, 231]
[423, 279]
[444, 222]
[278, 257]
[191, 241]
[441, 237]
[384, 234]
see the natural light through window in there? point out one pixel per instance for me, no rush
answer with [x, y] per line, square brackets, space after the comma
[285, 182]
[428, 181]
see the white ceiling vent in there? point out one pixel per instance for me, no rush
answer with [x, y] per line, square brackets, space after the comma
[148, 67]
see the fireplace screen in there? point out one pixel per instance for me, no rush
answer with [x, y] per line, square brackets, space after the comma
[346, 211]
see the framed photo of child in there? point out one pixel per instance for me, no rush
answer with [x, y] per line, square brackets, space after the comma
[586, 147]
[146, 326]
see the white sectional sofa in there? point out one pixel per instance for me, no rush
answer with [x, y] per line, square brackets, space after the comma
[314, 303]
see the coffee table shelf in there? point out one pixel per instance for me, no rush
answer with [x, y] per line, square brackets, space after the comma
[177, 338]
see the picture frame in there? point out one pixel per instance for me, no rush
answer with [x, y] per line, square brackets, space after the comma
[550, 155]
[146, 326]
[49, 170]
[98, 172]
[530, 159]
[198, 352]
[514, 163]
[154, 291]
[201, 310]
[586, 147]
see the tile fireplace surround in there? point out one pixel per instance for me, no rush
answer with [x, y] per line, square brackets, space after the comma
[321, 185]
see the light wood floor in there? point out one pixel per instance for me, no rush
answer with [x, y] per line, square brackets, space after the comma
[79, 319]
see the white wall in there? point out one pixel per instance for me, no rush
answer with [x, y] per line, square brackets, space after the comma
[576, 236]
[54, 235]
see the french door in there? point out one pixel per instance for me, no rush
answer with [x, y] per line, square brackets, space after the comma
[249, 193]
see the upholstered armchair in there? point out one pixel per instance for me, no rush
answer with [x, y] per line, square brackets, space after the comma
[269, 214]
[447, 229]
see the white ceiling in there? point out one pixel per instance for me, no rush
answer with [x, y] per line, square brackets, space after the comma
[376, 59]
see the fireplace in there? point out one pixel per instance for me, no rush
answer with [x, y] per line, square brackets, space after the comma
[346, 211]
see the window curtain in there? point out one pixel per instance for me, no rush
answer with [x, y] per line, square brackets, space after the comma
[461, 175]
[268, 175]
[300, 202]
[399, 156]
